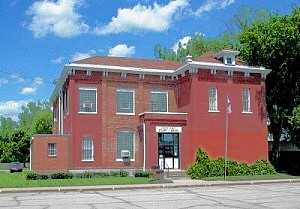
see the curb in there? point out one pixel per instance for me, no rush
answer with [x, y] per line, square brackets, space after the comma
[175, 184]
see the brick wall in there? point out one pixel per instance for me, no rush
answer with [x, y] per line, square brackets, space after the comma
[40, 160]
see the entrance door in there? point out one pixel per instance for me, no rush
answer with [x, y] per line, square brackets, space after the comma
[168, 150]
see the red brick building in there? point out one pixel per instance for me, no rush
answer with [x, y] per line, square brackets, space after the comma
[124, 113]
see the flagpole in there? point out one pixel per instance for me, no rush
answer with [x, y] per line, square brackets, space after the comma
[226, 143]
[228, 111]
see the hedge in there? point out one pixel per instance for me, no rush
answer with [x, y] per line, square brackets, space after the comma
[205, 167]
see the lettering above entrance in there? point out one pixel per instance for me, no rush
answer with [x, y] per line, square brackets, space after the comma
[168, 129]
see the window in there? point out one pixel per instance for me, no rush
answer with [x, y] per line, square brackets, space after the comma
[246, 100]
[125, 101]
[87, 150]
[213, 99]
[66, 100]
[159, 101]
[52, 149]
[228, 61]
[125, 144]
[87, 100]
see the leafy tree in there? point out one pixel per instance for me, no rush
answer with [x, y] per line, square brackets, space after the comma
[197, 46]
[294, 120]
[7, 125]
[29, 114]
[275, 44]
[43, 122]
[17, 148]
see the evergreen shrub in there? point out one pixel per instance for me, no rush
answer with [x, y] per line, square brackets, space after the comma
[205, 167]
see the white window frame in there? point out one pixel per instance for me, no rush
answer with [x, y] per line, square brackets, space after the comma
[132, 153]
[52, 149]
[213, 99]
[96, 100]
[124, 108]
[66, 105]
[87, 145]
[246, 100]
[167, 100]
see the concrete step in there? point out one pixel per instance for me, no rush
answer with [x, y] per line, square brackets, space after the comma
[176, 174]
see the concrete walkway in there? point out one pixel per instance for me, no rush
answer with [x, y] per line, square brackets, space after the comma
[177, 183]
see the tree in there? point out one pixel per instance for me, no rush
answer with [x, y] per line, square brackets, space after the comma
[17, 148]
[30, 113]
[275, 44]
[196, 46]
[294, 120]
[43, 122]
[7, 125]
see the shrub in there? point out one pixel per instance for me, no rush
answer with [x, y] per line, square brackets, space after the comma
[61, 176]
[42, 177]
[30, 176]
[262, 167]
[144, 174]
[204, 167]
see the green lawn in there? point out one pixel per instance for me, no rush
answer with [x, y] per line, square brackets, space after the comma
[17, 180]
[258, 177]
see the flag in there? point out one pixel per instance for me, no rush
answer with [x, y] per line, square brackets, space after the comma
[228, 106]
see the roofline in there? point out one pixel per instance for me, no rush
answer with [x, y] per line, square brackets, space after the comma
[151, 71]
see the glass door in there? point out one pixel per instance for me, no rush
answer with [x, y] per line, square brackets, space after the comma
[168, 150]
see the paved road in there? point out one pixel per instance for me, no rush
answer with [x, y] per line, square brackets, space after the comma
[265, 196]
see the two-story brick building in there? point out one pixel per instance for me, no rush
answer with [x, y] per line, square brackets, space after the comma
[124, 113]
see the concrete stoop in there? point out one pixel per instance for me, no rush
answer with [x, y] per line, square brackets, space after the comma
[176, 174]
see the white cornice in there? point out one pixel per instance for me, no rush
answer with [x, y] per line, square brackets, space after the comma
[151, 71]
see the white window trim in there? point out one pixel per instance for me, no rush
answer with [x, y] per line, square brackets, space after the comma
[133, 102]
[94, 89]
[167, 98]
[87, 160]
[217, 106]
[131, 159]
[249, 101]
[53, 150]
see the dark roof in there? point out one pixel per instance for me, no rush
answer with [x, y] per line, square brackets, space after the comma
[148, 63]
[208, 57]
[131, 62]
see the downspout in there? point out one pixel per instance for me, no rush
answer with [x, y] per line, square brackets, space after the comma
[62, 113]
[144, 136]
[59, 114]
[30, 154]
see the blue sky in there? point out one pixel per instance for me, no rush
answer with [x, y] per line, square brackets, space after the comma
[38, 37]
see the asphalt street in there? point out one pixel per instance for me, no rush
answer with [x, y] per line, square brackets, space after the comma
[265, 196]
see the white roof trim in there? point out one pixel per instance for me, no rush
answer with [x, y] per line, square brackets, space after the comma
[152, 71]
[118, 69]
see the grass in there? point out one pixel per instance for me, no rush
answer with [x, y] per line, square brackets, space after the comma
[17, 180]
[257, 177]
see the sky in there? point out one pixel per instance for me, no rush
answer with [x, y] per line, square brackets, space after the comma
[38, 38]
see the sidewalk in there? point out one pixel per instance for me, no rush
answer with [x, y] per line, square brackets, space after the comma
[177, 183]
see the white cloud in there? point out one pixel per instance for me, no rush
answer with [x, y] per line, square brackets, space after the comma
[17, 78]
[28, 90]
[183, 43]
[122, 50]
[12, 108]
[210, 5]
[38, 81]
[3, 81]
[152, 18]
[58, 60]
[83, 55]
[59, 18]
